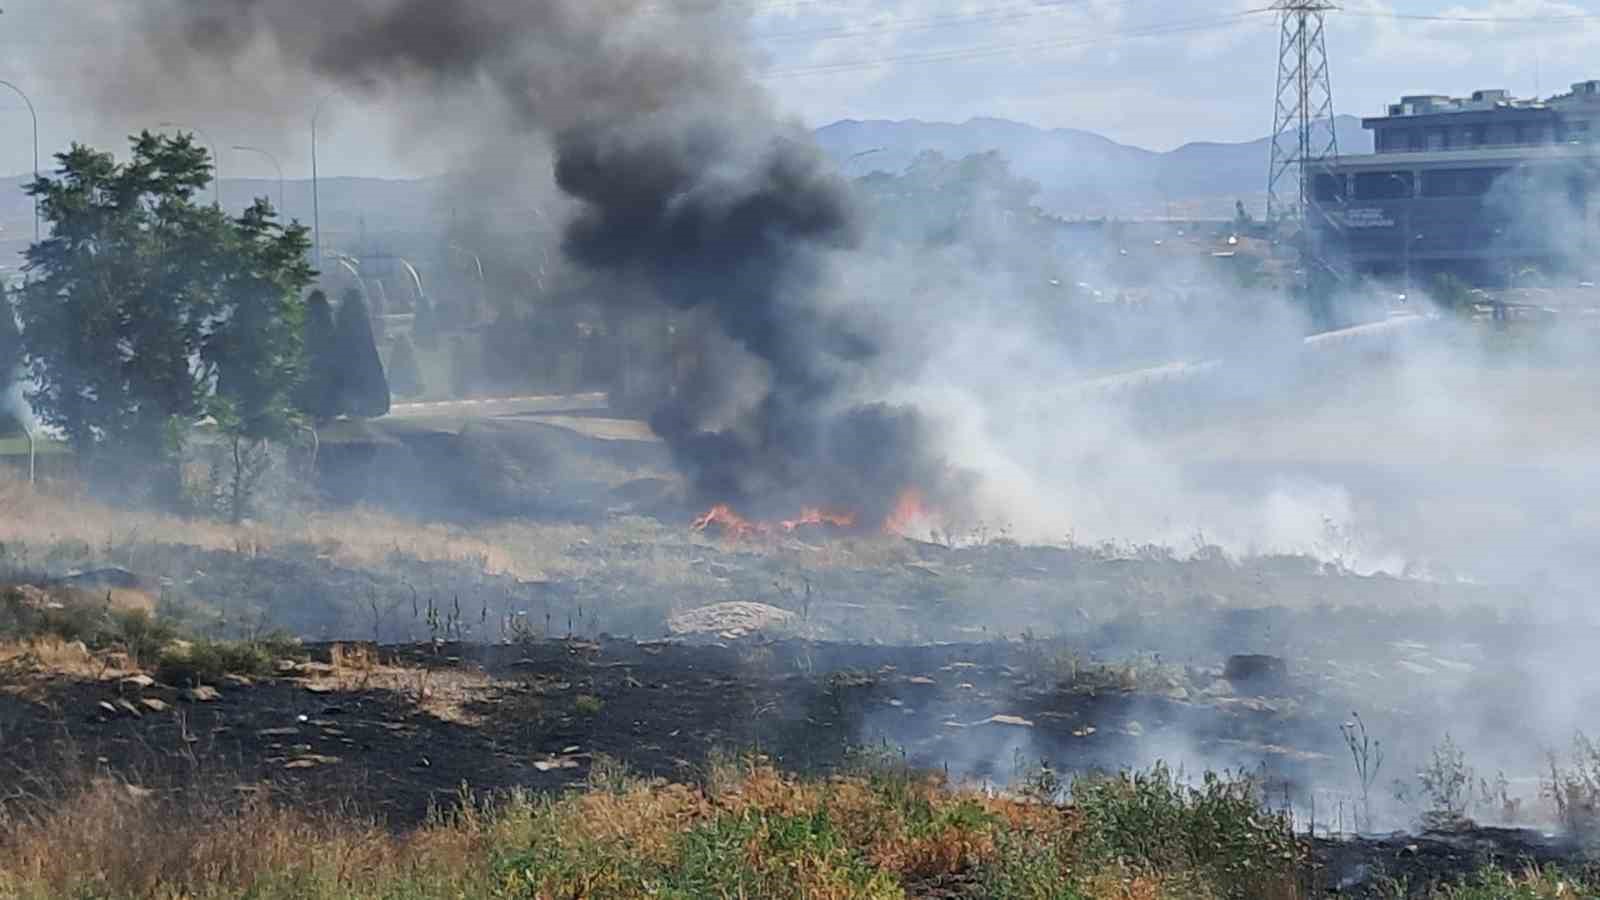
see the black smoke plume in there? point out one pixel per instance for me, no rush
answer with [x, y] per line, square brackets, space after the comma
[683, 181]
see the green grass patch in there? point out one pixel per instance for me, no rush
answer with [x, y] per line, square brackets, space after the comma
[206, 662]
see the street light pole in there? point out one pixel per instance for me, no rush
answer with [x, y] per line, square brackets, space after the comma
[35, 116]
[274, 161]
[316, 202]
[216, 159]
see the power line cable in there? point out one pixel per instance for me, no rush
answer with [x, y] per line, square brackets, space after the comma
[1007, 13]
[960, 54]
[1474, 20]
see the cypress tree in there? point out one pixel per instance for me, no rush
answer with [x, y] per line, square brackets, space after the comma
[10, 343]
[361, 386]
[10, 363]
[405, 376]
[316, 397]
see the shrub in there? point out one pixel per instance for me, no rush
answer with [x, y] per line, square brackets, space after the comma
[208, 661]
[1152, 821]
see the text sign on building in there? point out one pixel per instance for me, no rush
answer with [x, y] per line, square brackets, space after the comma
[1365, 218]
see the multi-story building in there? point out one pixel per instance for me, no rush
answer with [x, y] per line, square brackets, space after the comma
[1483, 186]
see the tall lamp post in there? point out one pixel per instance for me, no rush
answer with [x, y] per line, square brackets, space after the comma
[216, 159]
[275, 164]
[316, 203]
[35, 116]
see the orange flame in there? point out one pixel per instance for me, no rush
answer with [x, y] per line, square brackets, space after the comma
[909, 513]
[732, 524]
[812, 516]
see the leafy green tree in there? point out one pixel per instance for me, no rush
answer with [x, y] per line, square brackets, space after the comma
[361, 387]
[316, 398]
[255, 347]
[405, 376]
[146, 310]
[122, 293]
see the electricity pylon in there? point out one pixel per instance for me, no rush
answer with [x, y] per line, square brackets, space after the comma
[1305, 98]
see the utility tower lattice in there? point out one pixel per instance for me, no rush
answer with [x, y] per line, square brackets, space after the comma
[1305, 98]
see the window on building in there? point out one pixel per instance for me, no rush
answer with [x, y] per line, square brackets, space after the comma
[1328, 188]
[1414, 140]
[1438, 139]
[1383, 185]
[1459, 182]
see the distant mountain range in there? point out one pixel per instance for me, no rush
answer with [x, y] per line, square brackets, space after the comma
[1081, 175]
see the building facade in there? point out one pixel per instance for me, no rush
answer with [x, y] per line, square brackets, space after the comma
[1482, 186]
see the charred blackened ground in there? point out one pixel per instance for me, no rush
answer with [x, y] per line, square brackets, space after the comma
[398, 732]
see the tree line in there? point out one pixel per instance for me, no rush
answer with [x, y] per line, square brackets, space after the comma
[145, 313]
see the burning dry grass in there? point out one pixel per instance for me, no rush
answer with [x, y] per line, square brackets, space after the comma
[61, 513]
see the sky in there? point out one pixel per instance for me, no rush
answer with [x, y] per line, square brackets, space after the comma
[1152, 73]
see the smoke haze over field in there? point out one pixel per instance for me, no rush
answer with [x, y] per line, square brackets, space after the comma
[851, 365]
[678, 175]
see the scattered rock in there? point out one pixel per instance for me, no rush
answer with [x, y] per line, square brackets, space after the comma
[34, 597]
[1256, 668]
[1222, 687]
[320, 688]
[153, 704]
[551, 765]
[311, 761]
[101, 579]
[129, 708]
[233, 681]
[202, 694]
[1015, 721]
[738, 617]
[278, 732]
[138, 682]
